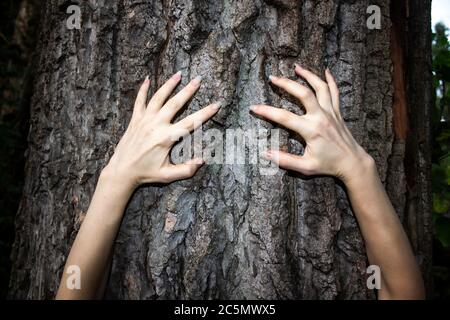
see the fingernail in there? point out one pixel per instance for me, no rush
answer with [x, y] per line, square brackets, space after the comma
[177, 76]
[253, 108]
[297, 66]
[198, 161]
[197, 80]
[271, 78]
[195, 161]
[147, 80]
[216, 105]
[269, 153]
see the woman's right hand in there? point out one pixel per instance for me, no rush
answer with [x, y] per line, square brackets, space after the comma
[142, 155]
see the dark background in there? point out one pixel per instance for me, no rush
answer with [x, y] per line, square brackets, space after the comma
[18, 35]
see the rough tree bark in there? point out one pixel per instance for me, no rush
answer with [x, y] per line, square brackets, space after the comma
[229, 232]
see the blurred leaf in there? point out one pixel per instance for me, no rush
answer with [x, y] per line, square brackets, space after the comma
[441, 131]
[440, 204]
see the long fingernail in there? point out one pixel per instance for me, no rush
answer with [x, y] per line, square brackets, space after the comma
[198, 161]
[197, 80]
[216, 105]
[147, 80]
[177, 76]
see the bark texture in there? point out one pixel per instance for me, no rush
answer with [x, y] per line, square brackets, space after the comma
[229, 232]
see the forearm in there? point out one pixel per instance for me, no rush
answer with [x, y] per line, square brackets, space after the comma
[331, 150]
[386, 242]
[141, 156]
[92, 247]
[102, 287]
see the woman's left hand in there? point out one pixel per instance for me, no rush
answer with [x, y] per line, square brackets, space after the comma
[330, 147]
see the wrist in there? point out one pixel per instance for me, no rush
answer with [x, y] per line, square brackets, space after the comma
[114, 179]
[360, 168]
[110, 198]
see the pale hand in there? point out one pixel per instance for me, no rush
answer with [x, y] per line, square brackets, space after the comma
[330, 147]
[142, 155]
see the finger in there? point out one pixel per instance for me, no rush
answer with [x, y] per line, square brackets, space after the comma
[305, 95]
[319, 86]
[141, 99]
[196, 119]
[283, 117]
[182, 171]
[158, 99]
[290, 161]
[334, 90]
[175, 103]
[176, 133]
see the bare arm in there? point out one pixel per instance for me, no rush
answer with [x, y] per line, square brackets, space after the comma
[142, 156]
[386, 242]
[332, 150]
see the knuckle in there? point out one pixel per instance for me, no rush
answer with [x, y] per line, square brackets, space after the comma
[166, 140]
[282, 81]
[310, 167]
[165, 177]
[158, 96]
[283, 116]
[169, 104]
[322, 86]
[337, 93]
[326, 124]
[187, 92]
[163, 143]
[191, 170]
[177, 101]
[261, 109]
[306, 94]
[140, 101]
[315, 129]
[148, 130]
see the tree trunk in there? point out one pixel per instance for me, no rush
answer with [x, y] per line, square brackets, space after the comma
[230, 232]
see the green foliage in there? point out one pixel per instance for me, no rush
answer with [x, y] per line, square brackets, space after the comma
[441, 132]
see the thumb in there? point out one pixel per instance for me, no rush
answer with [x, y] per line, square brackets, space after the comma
[290, 161]
[183, 171]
